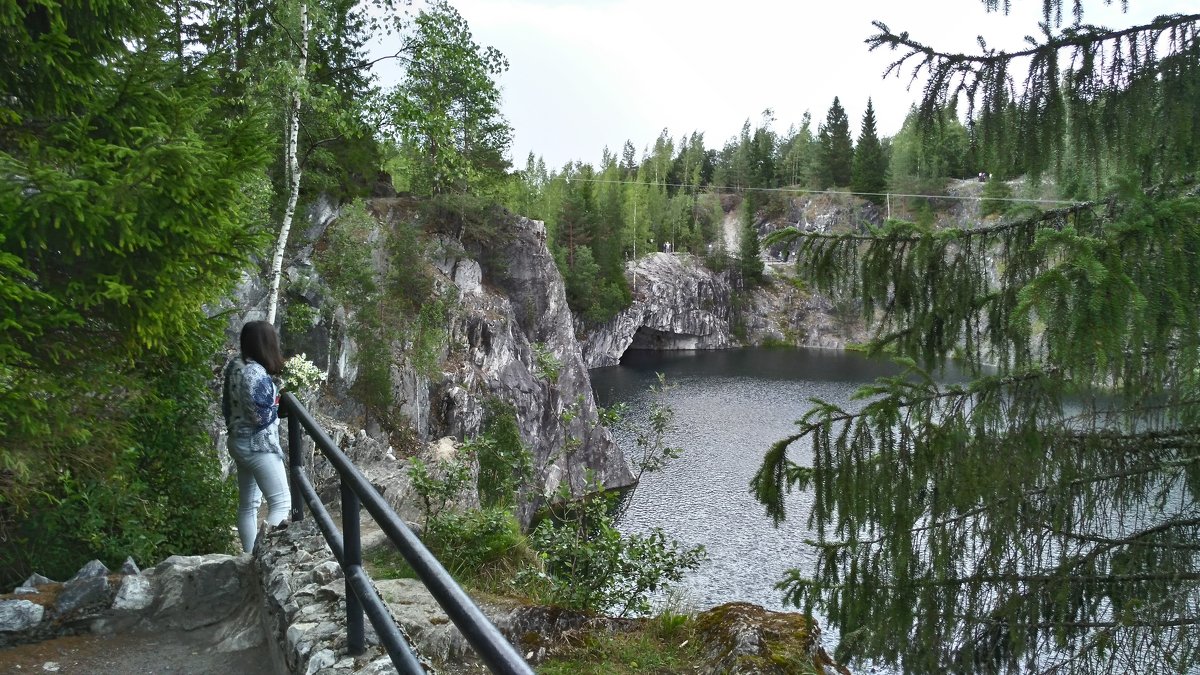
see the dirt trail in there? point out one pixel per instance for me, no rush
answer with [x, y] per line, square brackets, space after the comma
[134, 654]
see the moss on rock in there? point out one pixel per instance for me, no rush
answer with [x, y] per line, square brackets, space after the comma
[745, 638]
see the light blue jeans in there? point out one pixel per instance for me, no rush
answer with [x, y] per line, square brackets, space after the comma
[259, 474]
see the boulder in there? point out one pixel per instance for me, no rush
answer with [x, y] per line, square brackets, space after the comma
[744, 638]
[19, 615]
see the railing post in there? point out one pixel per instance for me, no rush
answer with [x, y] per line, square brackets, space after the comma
[352, 558]
[295, 462]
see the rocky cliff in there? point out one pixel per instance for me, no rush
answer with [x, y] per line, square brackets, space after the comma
[509, 337]
[513, 339]
[679, 303]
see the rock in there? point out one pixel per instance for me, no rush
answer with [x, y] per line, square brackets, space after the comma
[680, 305]
[434, 636]
[195, 591]
[534, 312]
[745, 638]
[130, 567]
[322, 659]
[25, 590]
[135, 593]
[511, 320]
[80, 594]
[94, 568]
[19, 615]
[35, 580]
[326, 572]
[677, 304]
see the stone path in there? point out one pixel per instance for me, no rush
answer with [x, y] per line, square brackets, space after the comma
[176, 653]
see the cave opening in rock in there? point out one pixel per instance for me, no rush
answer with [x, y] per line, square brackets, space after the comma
[652, 339]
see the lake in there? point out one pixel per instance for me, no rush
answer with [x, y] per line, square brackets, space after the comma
[730, 406]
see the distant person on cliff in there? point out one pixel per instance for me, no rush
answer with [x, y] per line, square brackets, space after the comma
[250, 403]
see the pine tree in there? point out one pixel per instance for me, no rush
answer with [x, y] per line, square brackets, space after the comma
[749, 249]
[870, 164]
[1042, 516]
[837, 150]
[125, 201]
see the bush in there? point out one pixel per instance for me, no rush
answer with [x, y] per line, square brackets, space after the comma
[485, 546]
[590, 566]
[546, 363]
[505, 464]
[437, 489]
[147, 484]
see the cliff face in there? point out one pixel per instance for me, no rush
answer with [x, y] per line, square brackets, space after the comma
[509, 337]
[680, 304]
[677, 304]
[520, 346]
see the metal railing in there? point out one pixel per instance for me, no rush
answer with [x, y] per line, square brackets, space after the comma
[483, 636]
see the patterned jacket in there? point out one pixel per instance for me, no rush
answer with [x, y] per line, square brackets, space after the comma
[250, 404]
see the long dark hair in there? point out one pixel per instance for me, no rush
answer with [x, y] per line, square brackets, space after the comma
[260, 343]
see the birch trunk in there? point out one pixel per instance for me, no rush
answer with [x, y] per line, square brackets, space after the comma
[293, 168]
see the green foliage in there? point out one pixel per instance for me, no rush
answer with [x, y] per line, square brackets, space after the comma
[590, 566]
[1079, 328]
[837, 149]
[995, 195]
[595, 298]
[577, 558]
[439, 487]
[158, 495]
[429, 333]
[926, 152]
[298, 318]
[446, 112]
[482, 545]
[651, 452]
[546, 364]
[123, 213]
[869, 175]
[396, 307]
[1119, 101]
[505, 463]
[798, 156]
[750, 263]
[648, 647]
[482, 549]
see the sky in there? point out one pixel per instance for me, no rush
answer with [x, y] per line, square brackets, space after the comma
[588, 74]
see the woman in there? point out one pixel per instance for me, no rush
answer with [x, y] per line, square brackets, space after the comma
[250, 403]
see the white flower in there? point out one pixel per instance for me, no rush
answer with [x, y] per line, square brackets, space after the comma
[302, 375]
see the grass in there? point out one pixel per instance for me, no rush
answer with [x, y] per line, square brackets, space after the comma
[484, 551]
[664, 644]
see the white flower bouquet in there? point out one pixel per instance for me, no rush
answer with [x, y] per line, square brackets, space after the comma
[301, 376]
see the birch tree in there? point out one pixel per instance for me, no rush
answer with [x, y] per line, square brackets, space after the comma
[291, 161]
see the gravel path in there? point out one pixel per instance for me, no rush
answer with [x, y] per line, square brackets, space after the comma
[138, 654]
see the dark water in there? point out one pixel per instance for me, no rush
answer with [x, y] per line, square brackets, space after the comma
[730, 406]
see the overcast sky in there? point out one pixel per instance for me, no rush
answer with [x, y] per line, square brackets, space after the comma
[587, 74]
